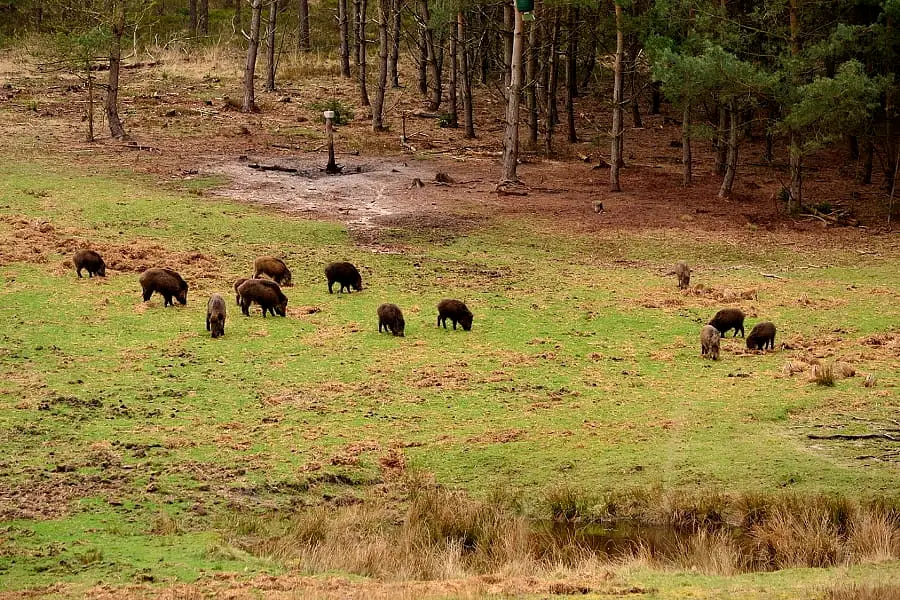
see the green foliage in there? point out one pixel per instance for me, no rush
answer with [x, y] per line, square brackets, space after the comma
[343, 113]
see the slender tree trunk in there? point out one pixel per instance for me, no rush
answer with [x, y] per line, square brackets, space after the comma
[361, 21]
[422, 66]
[238, 16]
[511, 137]
[531, 74]
[768, 153]
[615, 154]
[384, 15]
[303, 41]
[396, 22]
[868, 154]
[507, 36]
[192, 16]
[115, 62]
[354, 26]
[90, 108]
[344, 30]
[731, 161]
[571, 73]
[454, 67]
[203, 17]
[466, 75]
[721, 140]
[635, 101]
[434, 71]
[252, 49]
[686, 158]
[795, 201]
[553, 66]
[591, 55]
[270, 45]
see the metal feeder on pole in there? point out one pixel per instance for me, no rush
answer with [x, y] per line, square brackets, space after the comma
[331, 168]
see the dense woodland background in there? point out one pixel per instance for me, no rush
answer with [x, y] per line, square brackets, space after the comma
[804, 75]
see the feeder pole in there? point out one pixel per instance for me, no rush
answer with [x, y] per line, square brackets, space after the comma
[331, 168]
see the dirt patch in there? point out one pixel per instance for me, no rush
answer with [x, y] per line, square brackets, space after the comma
[51, 495]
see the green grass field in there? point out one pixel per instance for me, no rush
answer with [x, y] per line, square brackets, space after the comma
[127, 435]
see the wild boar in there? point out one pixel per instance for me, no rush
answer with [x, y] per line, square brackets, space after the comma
[729, 318]
[274, 268]
[456, 311]
[90, 261]
[762, 336]
[683, 273]
[709, 342]
[165, 282]
[391, 318]
[345, 274]
[266, 293]
[215, 316]
[237, 284]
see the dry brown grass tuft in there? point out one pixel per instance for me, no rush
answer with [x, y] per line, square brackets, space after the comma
[823, 374]
[859, 591]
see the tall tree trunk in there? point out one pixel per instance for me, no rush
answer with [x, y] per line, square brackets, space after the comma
[422, 64]
[384, 15]
[396, 22]
[434, 71]
[795, 201]
[192, 16]
[531, 74]
[731, 161]
[635, 100]
[511, 137]
[252, 49]
[571, 73]
[507, 34]
[553, 67]
[344, 31]
[90, 106]
[115, 62]
[868, 154]
[591, 53]
[454, 67]
[270, 45]
[361, 21]
[466, 76]
[238, 16]
[303, 41]
[686, 158]
[203, 17]
[721, 140]
[615, 154]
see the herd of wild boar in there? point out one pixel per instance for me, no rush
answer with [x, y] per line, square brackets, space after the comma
[762, 336]
[264, 289]
[270, 273]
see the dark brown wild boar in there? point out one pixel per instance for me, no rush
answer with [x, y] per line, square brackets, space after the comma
[345, 274]
[90, 261]
[391, 318]
[166, 283]
[264, 292]
[215, 315]
[762, 336]
[237, 284]
[729, 318]
[272, 267]
[456, 311]
[709, 342]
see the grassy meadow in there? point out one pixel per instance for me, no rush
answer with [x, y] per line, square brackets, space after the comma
[136, 449]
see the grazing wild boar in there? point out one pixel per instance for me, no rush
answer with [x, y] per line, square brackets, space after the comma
[709, 342]
[166, 283]
[683, 272]
[345, 274]
[215, 315]
[274, 268]
[456, 311]
[237, 284]
[90, 261]
[729, 318]
[391, 318]
[264, 292]
[761, 336]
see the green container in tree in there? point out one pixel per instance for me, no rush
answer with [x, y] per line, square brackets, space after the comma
[525, 6]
